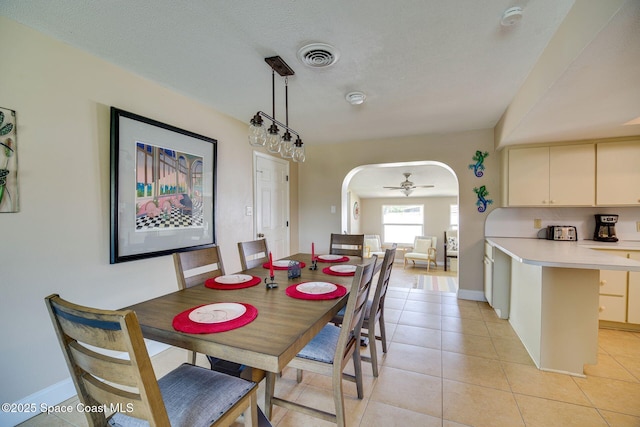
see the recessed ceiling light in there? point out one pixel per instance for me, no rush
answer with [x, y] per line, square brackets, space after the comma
[355, 98]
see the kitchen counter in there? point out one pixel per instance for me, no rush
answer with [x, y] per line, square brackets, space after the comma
[554, 296]
[580, 255]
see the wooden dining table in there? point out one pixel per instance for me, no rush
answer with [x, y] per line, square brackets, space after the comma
[284, 325]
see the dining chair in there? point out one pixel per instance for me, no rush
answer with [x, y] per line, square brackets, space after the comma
[194, 268]
[347, 244]
[424, 249]
[374, 313]
[253, 253]
[331, 349]
[450, 246]
[373, 245]
[109, 364]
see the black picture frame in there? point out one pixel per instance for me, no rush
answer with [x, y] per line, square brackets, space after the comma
[162, 188]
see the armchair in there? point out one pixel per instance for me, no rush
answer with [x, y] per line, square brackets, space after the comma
[450, 246]
[373, 246]
[424, 249]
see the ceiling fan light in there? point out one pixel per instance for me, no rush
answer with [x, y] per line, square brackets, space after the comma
[407, 191]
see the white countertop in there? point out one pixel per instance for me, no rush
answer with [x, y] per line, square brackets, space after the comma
[581, 254]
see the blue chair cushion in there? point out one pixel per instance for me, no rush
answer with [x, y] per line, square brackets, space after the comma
[340, 314]
[322, 347]
[193, 396]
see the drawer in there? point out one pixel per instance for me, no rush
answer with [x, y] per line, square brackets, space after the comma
[488, 250]
[613, 308]
[613, 282]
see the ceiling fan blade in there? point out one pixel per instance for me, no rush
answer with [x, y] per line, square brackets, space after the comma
[425, 186]
[393, 188]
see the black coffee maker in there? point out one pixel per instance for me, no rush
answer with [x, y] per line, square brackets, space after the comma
[605, 228]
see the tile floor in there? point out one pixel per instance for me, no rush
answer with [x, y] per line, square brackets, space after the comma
[454, 363]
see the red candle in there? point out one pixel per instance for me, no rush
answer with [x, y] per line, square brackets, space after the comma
[271, 265]
[313, 251]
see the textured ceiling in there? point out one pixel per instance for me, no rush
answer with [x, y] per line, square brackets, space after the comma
[426, 66]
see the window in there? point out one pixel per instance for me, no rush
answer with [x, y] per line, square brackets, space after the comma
[402, 223]
[453, 216]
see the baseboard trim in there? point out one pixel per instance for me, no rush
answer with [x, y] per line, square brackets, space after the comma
[471, 295]
[56, 394]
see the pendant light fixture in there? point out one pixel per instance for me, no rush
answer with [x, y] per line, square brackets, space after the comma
[271, 139]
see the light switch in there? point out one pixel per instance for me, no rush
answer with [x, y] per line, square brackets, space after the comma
[333, 209]
[248, 210]
[537, 223]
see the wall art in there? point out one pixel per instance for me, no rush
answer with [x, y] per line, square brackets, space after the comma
[478, 166]
[162, 188]
[8, 161]
[482, 194]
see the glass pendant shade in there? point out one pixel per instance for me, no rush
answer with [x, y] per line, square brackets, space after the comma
[298, 151]
[257, 134]
[286, 146]
[273, 139]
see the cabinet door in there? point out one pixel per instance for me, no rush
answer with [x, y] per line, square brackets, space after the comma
[613, 282]
[634, 293]
[618, 174]
[572, 175]
[529, 176]
[612, 308]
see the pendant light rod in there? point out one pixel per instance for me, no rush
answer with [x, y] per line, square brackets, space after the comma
[279, 123]
[273, 92]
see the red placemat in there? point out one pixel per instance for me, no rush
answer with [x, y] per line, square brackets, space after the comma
[211, 283]
[328, 270]
[275, 267]
[295, 293]
[182, 322]
[343, 259]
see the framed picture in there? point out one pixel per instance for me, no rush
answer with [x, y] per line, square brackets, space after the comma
[162, 188]
[8, 161]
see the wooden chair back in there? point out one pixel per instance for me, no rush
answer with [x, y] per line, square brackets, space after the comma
[194, 267]
[354, 313]
[377, 306]
[253, 253]
[132, 383]
[347, 244]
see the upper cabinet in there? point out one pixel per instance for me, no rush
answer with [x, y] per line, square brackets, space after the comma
[618, 181]
[562, 175]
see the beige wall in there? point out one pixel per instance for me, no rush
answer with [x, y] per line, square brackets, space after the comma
[59, 241]
[454, 150]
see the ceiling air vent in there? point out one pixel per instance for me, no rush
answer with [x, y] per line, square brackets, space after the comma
[318, 55]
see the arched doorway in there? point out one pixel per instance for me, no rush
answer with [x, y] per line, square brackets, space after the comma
[435, 199]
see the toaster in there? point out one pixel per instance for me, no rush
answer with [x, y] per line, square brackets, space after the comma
[562, 232]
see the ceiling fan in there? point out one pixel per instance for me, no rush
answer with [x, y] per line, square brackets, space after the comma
[407, 186]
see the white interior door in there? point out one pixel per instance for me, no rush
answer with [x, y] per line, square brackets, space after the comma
[272, 202]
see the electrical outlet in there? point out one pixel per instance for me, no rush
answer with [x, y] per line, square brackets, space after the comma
[638, 226]
[537, 223]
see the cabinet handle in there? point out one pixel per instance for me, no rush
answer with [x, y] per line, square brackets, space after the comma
[602, 308]
[552, 201]
[544, 202]
[603, 282]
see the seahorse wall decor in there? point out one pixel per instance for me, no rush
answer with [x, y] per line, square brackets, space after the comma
[478, 166]
[482, 194]
[8, 162]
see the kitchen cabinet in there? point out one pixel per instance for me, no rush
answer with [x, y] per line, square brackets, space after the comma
[633, 309]
[618, 178]
[552, 176]
[620, 292]
[613, 295]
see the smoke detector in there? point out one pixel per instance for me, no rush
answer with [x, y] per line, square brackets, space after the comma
[355, 98]
[318, 55]
[511, 16]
